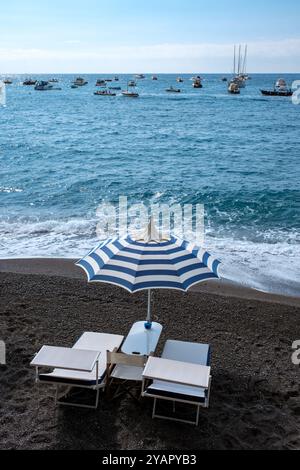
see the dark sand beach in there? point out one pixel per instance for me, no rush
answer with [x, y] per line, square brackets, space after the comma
[255, 400]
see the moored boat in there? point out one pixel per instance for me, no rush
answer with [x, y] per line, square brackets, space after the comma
[280, 89]
[7, 81]
[179, 80]
[233, 88]
[131, 93]
[197, 83]
[43, 86]
[101, 83]
[104, 93]
[173, 90]
[29, 82]
[80, 81]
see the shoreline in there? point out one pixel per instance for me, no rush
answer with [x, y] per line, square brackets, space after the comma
[63, 267]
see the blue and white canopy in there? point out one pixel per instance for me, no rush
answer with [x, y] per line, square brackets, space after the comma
[149, 264]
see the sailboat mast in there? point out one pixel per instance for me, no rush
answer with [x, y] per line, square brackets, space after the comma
[234, 64]
[239, 61]
[245, 60]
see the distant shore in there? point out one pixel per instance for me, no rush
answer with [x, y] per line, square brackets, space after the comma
[67, 268]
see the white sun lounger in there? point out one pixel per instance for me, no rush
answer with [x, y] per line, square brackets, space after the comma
[182, 374]
[83, 366]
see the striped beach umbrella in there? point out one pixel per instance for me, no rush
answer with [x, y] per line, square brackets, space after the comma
[148, 263]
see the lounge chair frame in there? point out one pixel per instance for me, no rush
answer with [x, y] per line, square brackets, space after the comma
[58, 401]
[157, 397]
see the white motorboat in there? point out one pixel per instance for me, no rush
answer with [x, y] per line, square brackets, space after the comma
[80, 81]
[43, 86]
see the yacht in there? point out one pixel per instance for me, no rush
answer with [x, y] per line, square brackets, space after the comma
[80, 81]
[140, 76]
[197, 83]
[280, 89]
[101, 83]
[43, 86]
[233, 88]
[29, 82]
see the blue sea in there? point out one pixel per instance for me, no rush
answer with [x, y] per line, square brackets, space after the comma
[64, 152]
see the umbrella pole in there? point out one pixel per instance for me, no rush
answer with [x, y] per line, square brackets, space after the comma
[148, 323]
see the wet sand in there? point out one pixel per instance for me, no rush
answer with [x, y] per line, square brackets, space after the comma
[255, 401]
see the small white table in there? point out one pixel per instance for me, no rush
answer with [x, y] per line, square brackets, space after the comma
[184, 373]
[65, 358]
[141, 341]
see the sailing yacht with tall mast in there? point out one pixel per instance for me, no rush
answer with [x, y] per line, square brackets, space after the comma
[239, 70]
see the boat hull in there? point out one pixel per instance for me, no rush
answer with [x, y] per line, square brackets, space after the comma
[276, 93]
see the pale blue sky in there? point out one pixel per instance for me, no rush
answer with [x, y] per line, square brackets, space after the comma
[148, 36]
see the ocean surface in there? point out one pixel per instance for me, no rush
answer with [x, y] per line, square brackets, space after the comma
[64, 152]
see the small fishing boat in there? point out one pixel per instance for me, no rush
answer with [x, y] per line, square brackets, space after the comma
[130, 94]
[7, 81]
[233, 88]
[80, 81]
[280, 89]
[107, 80]
[115, 88]
[74, 86]
[224, 79]
[116, 79]
[132, 83]
[140, 76]
[53, 80]
[29, 82]
[43, 86]
[173, 90]
[101, 83]
[179, 80]
[154, 77]
[104, 93]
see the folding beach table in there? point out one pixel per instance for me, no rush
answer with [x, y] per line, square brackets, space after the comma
[66, 358]
[141, 341]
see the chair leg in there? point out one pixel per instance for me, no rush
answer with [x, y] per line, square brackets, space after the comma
[198, 415]
[154, 408]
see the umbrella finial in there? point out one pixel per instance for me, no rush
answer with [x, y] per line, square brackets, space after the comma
[151, 234]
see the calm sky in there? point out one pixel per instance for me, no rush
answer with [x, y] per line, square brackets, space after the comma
[147, 36]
